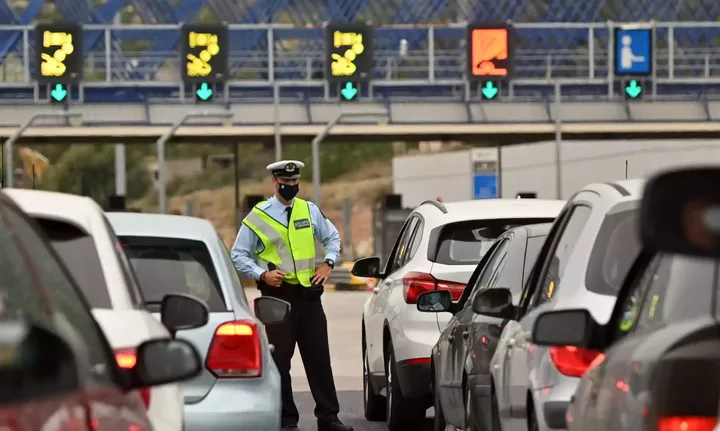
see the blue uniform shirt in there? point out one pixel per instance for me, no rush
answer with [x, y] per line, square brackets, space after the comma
[247, 242]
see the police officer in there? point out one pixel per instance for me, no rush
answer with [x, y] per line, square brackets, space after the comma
[276, 246]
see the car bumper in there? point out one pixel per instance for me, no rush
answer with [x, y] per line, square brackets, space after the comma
[414, 380]
[238, 405]
[551, 405]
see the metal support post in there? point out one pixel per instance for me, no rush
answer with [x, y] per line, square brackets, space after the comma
[120, 170]
[558, 143]
[162, 198]
[315, 145]
[9, 143]
[278, 122]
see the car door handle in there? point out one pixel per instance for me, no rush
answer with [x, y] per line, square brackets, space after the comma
[511, 342]
[466, 334]
[451, 338]
[376, 290]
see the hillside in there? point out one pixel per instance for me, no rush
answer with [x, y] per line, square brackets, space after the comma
[362, 186]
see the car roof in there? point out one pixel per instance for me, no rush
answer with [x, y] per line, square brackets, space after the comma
[490, 209]
[162, 225]
[615, 191]
[541, 229]
[54, 205]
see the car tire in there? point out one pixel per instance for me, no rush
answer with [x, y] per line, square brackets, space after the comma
[439, 424]
[532, 420]
[402, 414]
[470, 420]
[375, 405]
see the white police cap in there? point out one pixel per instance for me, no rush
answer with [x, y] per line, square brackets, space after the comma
[289, 169]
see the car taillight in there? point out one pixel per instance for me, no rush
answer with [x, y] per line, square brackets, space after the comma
[127, 358]
[687, 423]
[235, 351]
[417, 283]
[573, 361]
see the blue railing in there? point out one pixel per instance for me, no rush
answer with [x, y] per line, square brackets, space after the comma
[294, 57]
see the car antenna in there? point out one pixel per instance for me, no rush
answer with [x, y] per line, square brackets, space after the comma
[626, 167]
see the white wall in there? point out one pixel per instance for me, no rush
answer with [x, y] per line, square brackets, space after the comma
[422, 177]
[531, 167]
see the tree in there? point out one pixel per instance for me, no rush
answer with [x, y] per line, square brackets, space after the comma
[90, 169]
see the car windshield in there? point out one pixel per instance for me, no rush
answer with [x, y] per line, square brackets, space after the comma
[77, 249]
[173, 265]
[616, 247]
[465, 243]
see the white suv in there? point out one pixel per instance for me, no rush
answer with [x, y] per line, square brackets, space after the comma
[397, 339]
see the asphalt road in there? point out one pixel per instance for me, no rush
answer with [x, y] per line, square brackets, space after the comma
[344, 311]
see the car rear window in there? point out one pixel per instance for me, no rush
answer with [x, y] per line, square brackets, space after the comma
[77, 249]
[465, 243]
[616, 248]
[174, 265]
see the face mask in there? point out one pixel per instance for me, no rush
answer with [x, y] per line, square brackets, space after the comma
[287, 191]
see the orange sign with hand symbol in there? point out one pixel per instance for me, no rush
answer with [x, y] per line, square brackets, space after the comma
[489, 52]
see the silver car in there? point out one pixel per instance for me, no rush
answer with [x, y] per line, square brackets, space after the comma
[240, 386]
[585, 258]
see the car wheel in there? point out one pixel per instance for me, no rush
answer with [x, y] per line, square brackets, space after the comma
[470, 424]
[402, 414]
[374, 403]
[532, 421]
[440, 423]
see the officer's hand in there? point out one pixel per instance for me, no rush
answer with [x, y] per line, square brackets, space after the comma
[274, 278]
[322, 273]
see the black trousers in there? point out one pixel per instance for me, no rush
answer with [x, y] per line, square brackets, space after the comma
[306, 326]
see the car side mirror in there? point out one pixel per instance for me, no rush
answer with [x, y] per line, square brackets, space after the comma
[180, 311]
[271, 311]
[564, 328]
[163, 361]
[435, 301]
[368, 267]
[680, 212]
[33, 353]
[494, 302]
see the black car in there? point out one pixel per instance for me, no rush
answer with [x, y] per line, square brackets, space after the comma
[461, 357]
[660, 367]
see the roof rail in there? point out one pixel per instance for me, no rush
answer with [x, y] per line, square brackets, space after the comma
[437, 205]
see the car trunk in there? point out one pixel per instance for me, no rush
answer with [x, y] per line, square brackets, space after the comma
[459, 247]
[173, 265]
[196, 389]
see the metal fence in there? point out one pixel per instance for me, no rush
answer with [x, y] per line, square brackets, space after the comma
[266, 53]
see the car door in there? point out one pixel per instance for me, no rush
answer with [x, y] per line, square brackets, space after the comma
[109, 406]
[521, 357]
[22, 298]
[375, 315]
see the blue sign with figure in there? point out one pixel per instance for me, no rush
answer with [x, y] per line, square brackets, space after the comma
[633, 52]
[485, 186]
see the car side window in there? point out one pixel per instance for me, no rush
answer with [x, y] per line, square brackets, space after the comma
[415, 240]
[561, 252]
[492, 265]
[20, 296]
[631, 305]
[125, 267]
[71, 311]
[402, 248]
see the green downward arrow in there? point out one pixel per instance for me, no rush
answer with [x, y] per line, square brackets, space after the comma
[633, 89]
[489, 90]
[349, 91]
[58, 93]
[204, 92]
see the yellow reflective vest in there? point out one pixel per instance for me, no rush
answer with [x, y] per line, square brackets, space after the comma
[290, 248]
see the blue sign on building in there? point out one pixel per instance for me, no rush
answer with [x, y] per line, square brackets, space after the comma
[633, 52]
[484, 186]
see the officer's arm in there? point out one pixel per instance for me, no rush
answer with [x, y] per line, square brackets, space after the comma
[326, 232]
[243, 253]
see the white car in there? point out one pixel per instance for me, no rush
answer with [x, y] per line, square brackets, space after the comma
[81, 234]
[438, 248]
